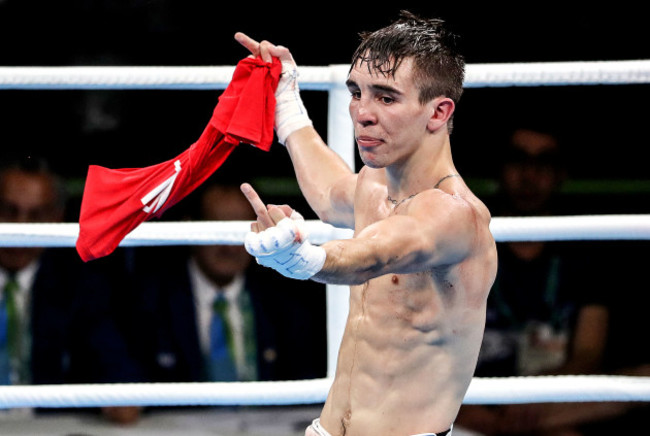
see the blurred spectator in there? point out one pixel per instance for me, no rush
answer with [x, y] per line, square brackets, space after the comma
[623, 276]
[56, 321]
[545, 315]
[532, 173]
[193, 295]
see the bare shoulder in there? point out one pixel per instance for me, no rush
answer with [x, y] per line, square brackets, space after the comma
[456, 216]
[371, 176]
[371, 184]
[452, 205]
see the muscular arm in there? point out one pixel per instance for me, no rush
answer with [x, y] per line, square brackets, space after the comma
[325, 180]
[437, 231]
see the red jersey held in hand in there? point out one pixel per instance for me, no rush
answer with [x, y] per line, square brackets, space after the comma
[116, 201]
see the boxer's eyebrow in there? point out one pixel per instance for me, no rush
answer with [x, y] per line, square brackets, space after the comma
[351, 84]
[375, 87]
[386, 88]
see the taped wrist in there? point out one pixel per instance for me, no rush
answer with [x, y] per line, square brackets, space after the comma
[285, 248]
[290, 112]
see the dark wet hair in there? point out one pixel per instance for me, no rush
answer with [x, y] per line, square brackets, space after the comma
[439, 68]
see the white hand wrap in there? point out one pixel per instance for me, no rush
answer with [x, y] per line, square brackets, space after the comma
[290, 112]
[285, 248]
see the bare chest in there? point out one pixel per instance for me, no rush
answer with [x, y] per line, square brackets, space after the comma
[400, 306]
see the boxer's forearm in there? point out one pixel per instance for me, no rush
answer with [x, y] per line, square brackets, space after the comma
[325, 179]
[375, 252]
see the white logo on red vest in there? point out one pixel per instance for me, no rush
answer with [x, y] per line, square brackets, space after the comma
[160, 193]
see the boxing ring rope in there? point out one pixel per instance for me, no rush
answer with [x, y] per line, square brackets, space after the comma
[340, 135]
[319, 78]
[504, 229]
[519, 390]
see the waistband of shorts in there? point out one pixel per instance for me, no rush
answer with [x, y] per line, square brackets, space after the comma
[315, 424]
[322, 432]
[444, 433]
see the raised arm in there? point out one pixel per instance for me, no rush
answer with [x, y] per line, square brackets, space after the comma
[325, 180]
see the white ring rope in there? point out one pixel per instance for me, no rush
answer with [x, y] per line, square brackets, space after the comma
[501, 390]
[318, 78]
[560, 228]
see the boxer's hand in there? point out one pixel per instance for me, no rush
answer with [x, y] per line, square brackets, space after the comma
[290, 112]
[264, 50]
[267, 216]
[282, 245]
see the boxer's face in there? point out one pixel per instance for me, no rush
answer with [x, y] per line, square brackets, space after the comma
[389, 120]
[221, 263]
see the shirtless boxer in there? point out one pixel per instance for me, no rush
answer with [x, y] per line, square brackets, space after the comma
[422, 259]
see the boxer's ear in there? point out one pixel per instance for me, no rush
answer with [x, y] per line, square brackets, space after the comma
[442, 108]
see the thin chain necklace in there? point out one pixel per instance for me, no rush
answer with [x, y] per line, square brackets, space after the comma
[398, 202]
